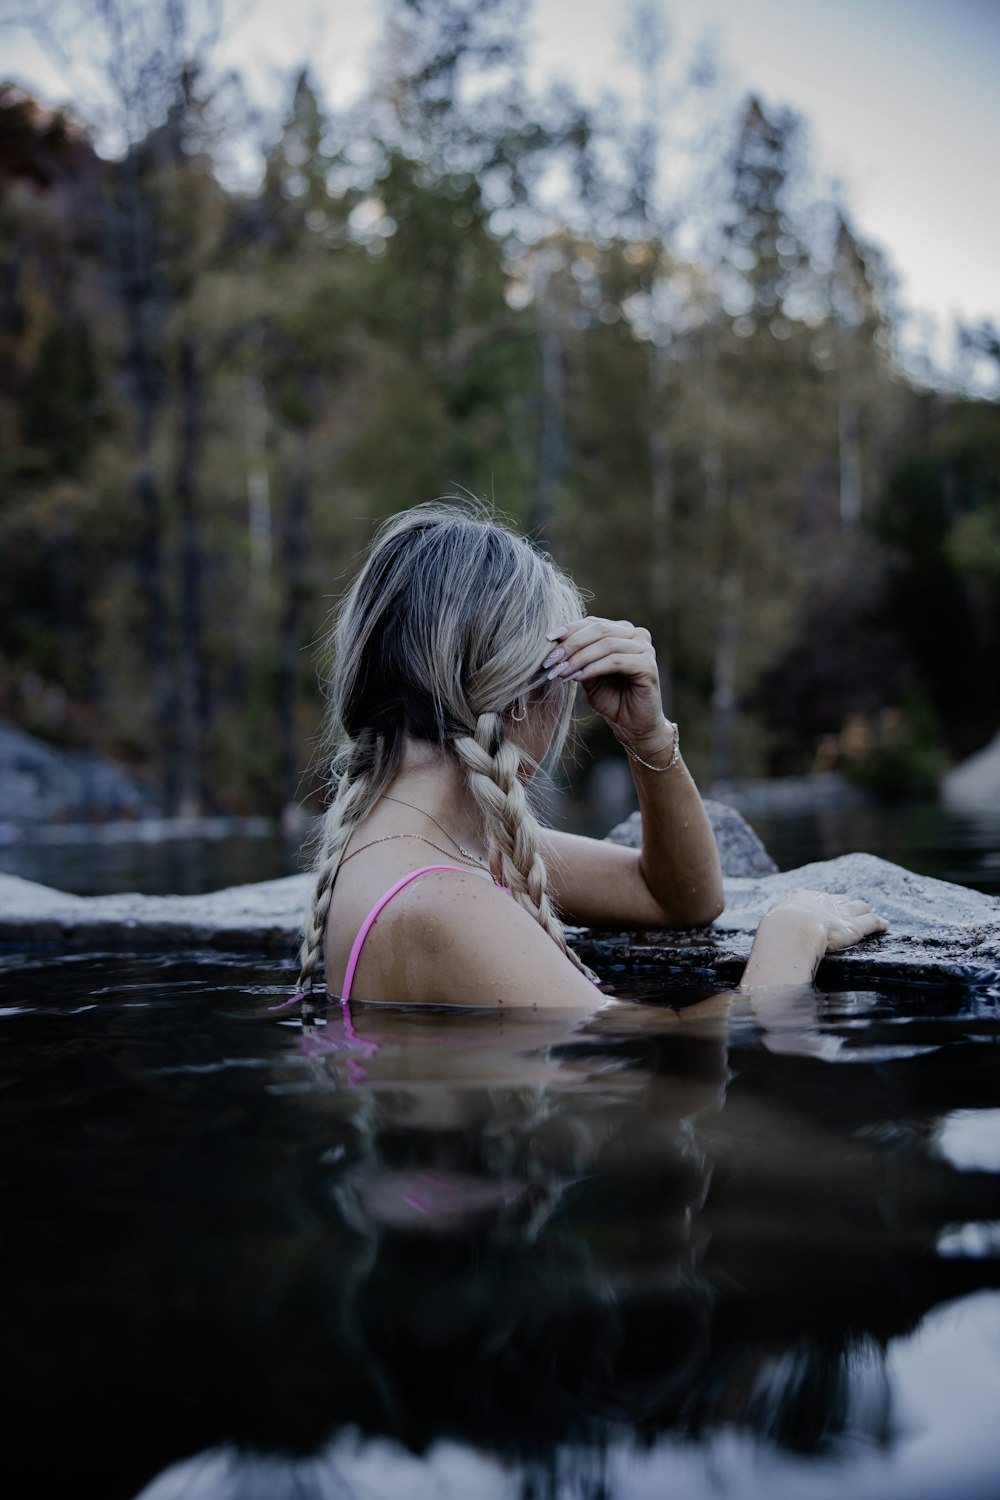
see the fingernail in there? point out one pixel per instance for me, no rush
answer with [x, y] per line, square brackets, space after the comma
[553, 657]
[574, 676]
[557, 634]
[559, 671]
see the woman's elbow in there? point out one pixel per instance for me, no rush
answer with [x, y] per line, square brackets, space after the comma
[692, 903]
[696, 909]
[704, 911]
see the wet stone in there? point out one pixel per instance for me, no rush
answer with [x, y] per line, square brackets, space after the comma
[740, 849]
[937, 929]
[266, 915]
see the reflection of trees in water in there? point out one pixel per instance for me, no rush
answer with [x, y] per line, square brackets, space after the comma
[648, 1234]
[577, 1294]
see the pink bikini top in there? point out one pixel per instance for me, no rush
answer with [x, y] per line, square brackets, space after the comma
[369, 922]
[380, 905]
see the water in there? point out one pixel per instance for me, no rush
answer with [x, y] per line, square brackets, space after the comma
[929, 838]
[181, 866]
[466, 1254]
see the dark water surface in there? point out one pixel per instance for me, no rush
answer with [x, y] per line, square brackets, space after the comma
[161, 867]
[929, 838]
[431, 1252]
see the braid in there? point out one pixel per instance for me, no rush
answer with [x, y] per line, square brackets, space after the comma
[352, 801]
[371, 763]
[491, 766]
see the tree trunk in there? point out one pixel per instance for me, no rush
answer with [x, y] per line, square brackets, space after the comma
[258, 480]
[661, 515]
[135, 236]
[849, 448]
[192, 686]
[551, 444]
[724, 676]
[290, 648]
[552, 429]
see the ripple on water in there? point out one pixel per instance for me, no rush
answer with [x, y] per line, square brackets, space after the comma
[433, 1251]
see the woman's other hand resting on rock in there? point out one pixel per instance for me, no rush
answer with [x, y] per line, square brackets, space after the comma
[795, 934]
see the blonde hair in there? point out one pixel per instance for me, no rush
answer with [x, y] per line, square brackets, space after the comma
[440, 637]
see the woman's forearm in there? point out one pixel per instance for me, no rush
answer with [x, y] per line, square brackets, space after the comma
[679, 858]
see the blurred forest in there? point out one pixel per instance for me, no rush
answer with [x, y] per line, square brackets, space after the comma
[683, 382]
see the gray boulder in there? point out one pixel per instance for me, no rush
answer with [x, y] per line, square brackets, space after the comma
[936, 929]
[740, 850]
[265, 915]
[975, 783]
[43, 783]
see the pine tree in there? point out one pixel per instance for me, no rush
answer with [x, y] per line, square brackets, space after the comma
[761, 387]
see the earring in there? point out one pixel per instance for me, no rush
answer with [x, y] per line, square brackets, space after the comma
[519, 717]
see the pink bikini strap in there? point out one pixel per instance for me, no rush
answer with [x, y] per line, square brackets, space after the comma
[380, 904]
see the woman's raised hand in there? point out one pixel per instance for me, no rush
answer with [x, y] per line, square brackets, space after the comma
[614, 662]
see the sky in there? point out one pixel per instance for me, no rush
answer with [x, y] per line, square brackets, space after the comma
[901, 96]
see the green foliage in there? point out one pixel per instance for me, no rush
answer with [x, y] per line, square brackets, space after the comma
[209, 395]
[937, 520]
[905, 759]
[61, 410]
[969, 444]
[974, 546]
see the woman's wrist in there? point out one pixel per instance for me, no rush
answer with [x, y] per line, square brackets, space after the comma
[657, 749]
[786, 950]
[796, 926]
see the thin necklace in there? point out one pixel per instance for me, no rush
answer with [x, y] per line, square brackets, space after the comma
[434, 820]
[390, 837]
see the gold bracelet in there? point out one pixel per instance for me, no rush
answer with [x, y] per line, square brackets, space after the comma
[674, 758]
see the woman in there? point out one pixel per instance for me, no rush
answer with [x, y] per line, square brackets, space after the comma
[455, 660]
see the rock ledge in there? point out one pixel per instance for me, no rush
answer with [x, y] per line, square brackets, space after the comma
[938, 930]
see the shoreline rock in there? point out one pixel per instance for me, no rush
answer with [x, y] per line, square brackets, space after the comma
[265, 915]
[938, 930]
[975, 783]
[42, 783]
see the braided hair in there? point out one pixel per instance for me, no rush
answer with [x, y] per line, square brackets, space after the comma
[440, 636]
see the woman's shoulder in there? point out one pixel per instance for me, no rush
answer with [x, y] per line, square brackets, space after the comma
[387, 922]
[441, 904]
[478, 945]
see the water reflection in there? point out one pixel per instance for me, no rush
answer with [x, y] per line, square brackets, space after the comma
[970, 1139]
[407, 1251]
[943, 1384]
